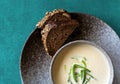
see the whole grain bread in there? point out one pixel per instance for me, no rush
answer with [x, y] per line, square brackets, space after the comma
[56, 27]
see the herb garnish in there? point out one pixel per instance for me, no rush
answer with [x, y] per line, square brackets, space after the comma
[84, 73]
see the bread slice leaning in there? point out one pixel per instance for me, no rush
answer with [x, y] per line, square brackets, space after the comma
[56, 26]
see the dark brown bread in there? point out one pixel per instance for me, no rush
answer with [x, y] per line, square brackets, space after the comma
[57, 26]
[52, 16]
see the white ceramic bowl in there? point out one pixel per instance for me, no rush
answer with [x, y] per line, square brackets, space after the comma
[88, 42]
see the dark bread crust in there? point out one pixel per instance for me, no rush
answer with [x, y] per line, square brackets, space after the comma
[52, 16]
[56, 28]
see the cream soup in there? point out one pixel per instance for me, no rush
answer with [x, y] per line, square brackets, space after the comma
[96, 62]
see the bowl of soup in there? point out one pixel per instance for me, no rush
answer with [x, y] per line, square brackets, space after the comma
[81, 62]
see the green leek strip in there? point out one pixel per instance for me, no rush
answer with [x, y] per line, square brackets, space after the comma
[81, 72]
[74, 58]
[84, 77]
[84, 63]
[87, 80]
[69, 75]
[91, 75]
[84, 73]
[84, 58]
[73, 73]
[78, 66]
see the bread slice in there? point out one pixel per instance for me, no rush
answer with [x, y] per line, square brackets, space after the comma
[56, 28]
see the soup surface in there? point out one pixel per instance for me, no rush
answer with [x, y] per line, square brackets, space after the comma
[95, 61]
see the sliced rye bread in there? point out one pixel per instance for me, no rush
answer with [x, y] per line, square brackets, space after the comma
[56, 28]
[53, 16]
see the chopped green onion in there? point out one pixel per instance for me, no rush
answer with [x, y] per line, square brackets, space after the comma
[69, 76]
[78, 66]
[84, 58]
[91, 76]
[84, 72]
[84, 63]
[87, 80]
[73, 73]
[74, 58]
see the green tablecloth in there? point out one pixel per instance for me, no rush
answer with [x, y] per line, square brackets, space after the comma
[19, 17]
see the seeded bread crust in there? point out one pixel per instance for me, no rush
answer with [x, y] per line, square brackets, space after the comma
[56, 27]
[51, 16]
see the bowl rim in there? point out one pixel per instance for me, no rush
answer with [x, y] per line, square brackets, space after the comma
[88, 42]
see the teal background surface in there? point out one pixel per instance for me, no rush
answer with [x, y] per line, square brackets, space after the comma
[19, 17]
